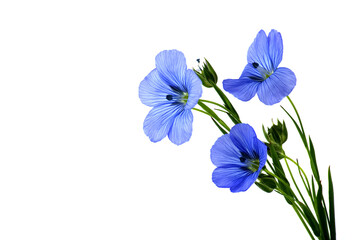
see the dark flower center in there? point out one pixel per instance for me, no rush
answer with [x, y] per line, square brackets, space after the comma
[252, 162]
[254, 165]
[178, 96]
[264, 73]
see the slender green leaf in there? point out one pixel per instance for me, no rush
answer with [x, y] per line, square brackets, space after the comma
[294, 181]
[271, 167]
[332, 208]
[319, 208]
[232, 116]
[284, 130]
[302, 135]
[233, 119]
[302, 220]
[265, 133]
[220, 128]
[279, 171]
[313, 163]
[213, 115]
[215, 103]
[227, 104]
[276, 161]
[220, 110]
[313, 189]
[199, 110]
[297, 114]
[303, 178]
[310, 219]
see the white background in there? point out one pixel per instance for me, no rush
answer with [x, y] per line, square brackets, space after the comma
[74, 161]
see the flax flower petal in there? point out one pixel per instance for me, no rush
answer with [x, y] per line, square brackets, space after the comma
[194, 87]
[226, 177]
[259, 52]
[181, 128]
[159, 120]
[171, 65]
[246, 86]
[224, 152]
[153, 90]
[277, 86]
[275, 48]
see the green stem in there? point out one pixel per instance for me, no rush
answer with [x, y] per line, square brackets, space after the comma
[272, 168]
[326, 211]
[199, 110]
[222, 130]
[215, 103]
[295, 206]
[213, 115]
[307, 184]
[277, 177]
[300, 168]
[227, 111]
[303, 222]
[298, 211]
[234, 116]
[297, 114]
[293, 179]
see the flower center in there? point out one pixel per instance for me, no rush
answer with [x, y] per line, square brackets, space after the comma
[252, 162]
[253, 165]
[181, 97]
[264, 73]
[184, 97]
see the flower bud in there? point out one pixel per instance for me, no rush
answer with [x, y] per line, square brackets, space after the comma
[266, 183]
[207, 74]
[277, 136]
[278, 133]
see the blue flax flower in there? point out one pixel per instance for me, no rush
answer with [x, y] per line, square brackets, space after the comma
[239, 157]
[172, 90]
[262, 75]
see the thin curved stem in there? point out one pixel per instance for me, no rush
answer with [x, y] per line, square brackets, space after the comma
[235, 116]
[275, 176]
[303, 222]
[294, 204]
[272, 168]
[301, 173]
[297, 210]
[232, 115]
[297, 114]
[212, 114]
[293, 179]
[199, 110]
[300, 168]
[215, 103]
